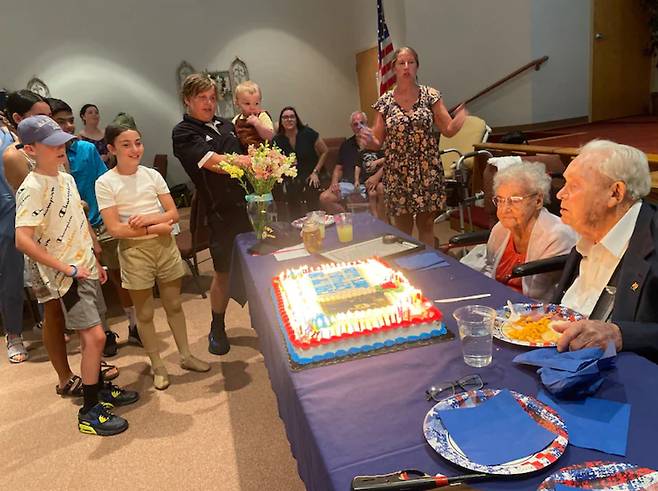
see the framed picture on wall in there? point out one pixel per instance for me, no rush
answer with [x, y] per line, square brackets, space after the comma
[225, 107]
[38, 86]
[239, 73]
[182, 72]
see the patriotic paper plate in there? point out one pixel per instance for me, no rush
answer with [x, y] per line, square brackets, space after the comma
[502, 324]
[439, 439]
[613, 476]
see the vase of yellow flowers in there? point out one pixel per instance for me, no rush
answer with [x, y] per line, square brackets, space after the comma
[267, 167]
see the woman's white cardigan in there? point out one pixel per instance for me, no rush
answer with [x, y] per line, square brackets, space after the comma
[549, 237]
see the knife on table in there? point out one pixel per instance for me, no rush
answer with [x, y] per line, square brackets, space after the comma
[409, 480]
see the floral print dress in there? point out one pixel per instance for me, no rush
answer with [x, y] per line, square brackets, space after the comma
[413, 174]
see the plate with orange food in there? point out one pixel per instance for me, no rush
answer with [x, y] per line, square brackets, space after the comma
[530, 324]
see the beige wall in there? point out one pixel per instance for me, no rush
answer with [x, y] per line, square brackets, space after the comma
[466, 45]
[122, 55]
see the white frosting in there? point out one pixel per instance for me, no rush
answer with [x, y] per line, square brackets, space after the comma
[303, 301]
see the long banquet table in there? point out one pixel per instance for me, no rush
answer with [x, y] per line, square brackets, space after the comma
[365, 416]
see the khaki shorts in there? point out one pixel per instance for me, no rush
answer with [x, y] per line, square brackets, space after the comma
[110, 246]
[143, 261]
[83, 304]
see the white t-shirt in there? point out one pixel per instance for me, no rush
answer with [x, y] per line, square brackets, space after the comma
[136, 194]
[52, 205]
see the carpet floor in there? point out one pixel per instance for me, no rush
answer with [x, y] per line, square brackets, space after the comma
[216, 430]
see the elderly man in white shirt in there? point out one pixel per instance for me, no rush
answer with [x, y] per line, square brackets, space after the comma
[611, 275]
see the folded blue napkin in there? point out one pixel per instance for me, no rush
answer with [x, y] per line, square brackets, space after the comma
[570, 374]
[496, 431]
[424, 260]
[593, 423]
[571, 361]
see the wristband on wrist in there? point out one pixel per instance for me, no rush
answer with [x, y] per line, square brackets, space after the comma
[75, 271]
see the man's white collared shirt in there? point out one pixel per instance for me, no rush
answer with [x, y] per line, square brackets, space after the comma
[599, 263]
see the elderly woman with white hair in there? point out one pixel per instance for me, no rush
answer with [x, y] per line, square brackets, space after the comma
[526, 231]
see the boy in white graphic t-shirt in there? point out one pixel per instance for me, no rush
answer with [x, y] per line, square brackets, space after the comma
[52, 229]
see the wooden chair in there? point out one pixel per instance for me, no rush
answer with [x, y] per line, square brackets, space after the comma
[160, 164]
[196, 239]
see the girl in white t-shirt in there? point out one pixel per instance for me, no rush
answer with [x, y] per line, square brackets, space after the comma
[137, 209]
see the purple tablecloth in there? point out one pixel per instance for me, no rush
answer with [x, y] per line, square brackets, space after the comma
[365, 416]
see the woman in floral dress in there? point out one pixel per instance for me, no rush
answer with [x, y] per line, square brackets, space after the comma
[413, 174]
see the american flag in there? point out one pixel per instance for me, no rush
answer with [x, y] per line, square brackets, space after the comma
[384, 52]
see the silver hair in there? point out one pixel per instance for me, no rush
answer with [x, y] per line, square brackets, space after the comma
[531, 175]
[622, 163]
[365, 116]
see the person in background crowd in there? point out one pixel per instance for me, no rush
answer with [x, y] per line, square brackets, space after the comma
[20, 105]
[11, 262]
[311, 151]
[92, 132]
[358, 171]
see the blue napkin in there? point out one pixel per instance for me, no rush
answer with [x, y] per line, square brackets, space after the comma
[481, 430]
[424, 260]
[594, 423]
[571, 361]
[571, 374]
[563, 487]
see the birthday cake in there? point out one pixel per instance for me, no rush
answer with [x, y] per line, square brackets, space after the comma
[335, 311]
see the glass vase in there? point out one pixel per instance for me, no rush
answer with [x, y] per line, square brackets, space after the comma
[262, 212]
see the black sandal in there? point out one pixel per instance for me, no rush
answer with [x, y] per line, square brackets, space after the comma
[73, 387]
[108, 372]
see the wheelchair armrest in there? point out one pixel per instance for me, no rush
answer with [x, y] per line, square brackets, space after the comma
[469, 238]
[555, 263]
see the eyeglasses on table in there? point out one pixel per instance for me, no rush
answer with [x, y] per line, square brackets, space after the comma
[442, 390]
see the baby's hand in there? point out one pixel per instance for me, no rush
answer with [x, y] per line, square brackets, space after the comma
[253, 120]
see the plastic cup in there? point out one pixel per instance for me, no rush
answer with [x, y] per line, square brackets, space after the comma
[475, 324]
[319, 217]
[312, 237]
[344, 227]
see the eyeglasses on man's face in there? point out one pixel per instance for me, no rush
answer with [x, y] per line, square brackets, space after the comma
[510, 200]
[442, 390]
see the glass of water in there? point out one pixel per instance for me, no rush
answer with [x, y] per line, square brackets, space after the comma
[475, 324]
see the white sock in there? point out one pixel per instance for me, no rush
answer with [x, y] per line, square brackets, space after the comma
[130, 313]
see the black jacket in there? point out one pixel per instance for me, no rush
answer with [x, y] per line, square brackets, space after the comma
[635, 308]
[192, 139]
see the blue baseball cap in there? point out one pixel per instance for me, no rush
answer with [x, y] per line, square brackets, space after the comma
[42, 129]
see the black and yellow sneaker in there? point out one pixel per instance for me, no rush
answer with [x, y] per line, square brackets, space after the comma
[100, 421]
[111, 395]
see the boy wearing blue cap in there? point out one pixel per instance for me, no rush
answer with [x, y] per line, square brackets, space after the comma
[52, 229]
